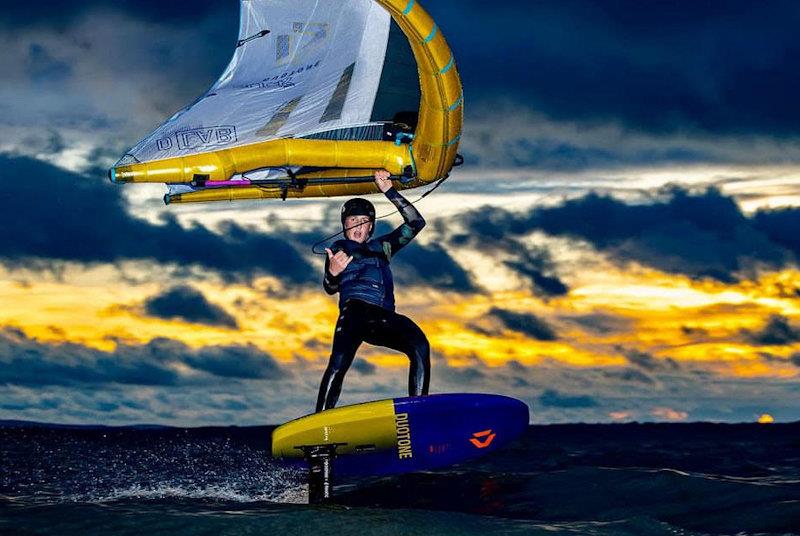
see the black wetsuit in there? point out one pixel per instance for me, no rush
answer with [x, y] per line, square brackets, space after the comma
[366, 307]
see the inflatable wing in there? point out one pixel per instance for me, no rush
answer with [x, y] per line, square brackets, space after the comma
[319, 93]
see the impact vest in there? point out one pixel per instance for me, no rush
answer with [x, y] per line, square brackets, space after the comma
[368, 276]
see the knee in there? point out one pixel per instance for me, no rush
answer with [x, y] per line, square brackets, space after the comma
[336, 365]
[425, 347]
[421, 349]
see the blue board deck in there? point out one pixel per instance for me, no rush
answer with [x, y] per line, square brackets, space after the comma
[403, 435]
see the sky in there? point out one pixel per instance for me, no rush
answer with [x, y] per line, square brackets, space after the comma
[621, 244]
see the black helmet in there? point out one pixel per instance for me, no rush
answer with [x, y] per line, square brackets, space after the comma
[359, 207]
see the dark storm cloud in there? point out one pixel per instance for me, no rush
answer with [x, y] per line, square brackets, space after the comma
[465, 375]
[782, 226]
[525, 323]
[772, 358]
[777, 331]
[600, 323]
[431, 265]
[454, 377]
[48, 214]
[492, 227]
[486, 232]
[722, 67]
[315, 344]
[537, 266]
[795, 358]
[694, 331]
[187, 303]
[477, 328]
[553, 398]
[43, 68]
[628, 375]
[646, 361]
[239, 362]
[57, 13]
[364, 367]
[27, 361]
[701, 234]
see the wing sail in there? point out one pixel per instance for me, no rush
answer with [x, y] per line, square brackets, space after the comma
[300, 91]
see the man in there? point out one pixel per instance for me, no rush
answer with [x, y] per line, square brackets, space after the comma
[358, 269]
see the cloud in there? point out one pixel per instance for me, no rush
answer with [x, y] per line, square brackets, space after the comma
[160, 362]
[485, 230]
[186, 303]
[701, 234]
[83, 72]
[431, 265]
[454, 378]
[782, 226]
[646, 361]
[57, 13]
[42, 67]
[600, 323]
[481, 330]
[620, 415]
[641, 69]
[244, 362]
[364, 367]
[777, 331]
[553, 398]
[524, 323]
[223, 403]
[669, 414]
[315, 344]
[63, 216]
[694, 331]
[629, 375]
[537, 265]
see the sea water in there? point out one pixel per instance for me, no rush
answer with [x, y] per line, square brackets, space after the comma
[634, 479]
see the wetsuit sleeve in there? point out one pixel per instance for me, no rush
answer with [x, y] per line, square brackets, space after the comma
[392, 242]
[329, 282]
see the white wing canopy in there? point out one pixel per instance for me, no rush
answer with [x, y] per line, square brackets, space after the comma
[317, 95]
[317, 69]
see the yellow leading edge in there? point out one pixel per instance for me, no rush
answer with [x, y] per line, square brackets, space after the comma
[361, 427]
[431, 155]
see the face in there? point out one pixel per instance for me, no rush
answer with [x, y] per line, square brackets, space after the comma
[358, 228]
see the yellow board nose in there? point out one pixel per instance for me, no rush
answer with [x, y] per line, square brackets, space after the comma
[368, 426]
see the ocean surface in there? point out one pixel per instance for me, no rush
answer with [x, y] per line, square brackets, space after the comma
[634, 479]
